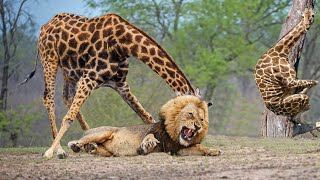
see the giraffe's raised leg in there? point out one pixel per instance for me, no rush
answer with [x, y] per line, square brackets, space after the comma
[50, 72]
[294, 104]
[69, 89]
[308, 85]
[84, 88]
[303, 85]
[124, 91]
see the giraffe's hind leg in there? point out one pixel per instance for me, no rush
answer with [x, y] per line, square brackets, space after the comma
[69, 89]
[84, 87]
[50, 68]
[294, 104]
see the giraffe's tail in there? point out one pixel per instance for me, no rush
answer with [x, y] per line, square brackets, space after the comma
[31, 74]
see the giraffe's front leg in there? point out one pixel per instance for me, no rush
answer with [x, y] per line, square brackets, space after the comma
[69, 90]
[132, 101]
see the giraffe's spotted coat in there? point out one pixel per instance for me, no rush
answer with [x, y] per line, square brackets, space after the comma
[93, 53]
[276, 80]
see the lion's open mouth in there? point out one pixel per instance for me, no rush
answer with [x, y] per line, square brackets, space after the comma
[187, 133]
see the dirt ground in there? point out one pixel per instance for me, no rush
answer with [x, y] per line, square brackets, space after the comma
[242, 158]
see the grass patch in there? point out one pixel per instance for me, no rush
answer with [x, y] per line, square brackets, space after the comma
[275, 145]
[23, 150]
[279, 146]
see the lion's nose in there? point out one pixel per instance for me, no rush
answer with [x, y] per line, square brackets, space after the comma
[197, 127]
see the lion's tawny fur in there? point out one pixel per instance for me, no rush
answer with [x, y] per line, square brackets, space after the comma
[170, 111]
[177, 114]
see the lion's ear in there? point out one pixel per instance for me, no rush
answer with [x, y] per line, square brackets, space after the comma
[197, 93]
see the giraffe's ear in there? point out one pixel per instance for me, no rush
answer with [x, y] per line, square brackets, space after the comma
[299, 12]
[197, 92]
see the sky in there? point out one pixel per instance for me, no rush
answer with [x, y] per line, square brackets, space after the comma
[44, 10]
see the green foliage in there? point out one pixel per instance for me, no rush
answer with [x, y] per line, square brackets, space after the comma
[105, 106]
[209, 67]
[158, 18]
[215, 43]
[16, 123]
[228, 36]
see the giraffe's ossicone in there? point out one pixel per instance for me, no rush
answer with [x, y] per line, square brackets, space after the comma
[93, 53]
[276, 80]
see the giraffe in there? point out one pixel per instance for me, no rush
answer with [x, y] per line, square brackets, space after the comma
[93, 53]
[276, 80]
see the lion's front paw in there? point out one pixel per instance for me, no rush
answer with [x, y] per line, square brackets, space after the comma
[212, 152]
[91, 148]
[148, 144]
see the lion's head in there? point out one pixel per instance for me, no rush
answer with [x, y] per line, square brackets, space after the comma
[186, 119]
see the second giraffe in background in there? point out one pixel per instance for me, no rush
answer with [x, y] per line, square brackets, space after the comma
[277, 81]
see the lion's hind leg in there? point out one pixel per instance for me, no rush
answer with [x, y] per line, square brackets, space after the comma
[75, 146]
[199, 150]
[148, 144]
[89, 142]
[100, 150]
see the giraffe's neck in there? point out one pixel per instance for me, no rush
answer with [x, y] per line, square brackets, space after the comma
[165, 67]
[288, 41]
[140, 45]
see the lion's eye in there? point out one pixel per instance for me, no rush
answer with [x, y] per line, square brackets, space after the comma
[202, 119]
[190, 114]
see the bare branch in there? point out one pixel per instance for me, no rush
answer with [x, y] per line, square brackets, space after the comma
[158, 16]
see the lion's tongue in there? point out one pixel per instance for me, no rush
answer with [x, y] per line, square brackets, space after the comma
[187, 132]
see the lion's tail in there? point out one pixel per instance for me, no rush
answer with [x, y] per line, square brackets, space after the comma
[31, 74]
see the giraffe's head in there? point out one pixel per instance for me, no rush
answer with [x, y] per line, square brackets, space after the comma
[308, 17]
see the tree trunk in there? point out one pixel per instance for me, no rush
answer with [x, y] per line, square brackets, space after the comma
[281, 126]
[9, 23]
[6, 59]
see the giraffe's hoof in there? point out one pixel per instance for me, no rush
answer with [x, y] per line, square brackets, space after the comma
[48, 154]
[61, 154]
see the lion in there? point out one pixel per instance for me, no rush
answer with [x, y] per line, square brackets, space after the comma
[182, 126]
